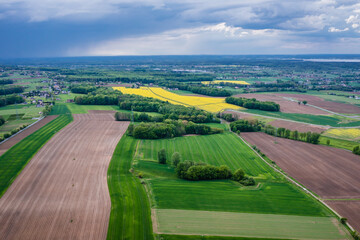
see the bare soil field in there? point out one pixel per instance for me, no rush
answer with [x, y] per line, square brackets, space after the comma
[297, 126]
[329, 172]
[62, 193]
[328, 105]
[14, 140]
[349, 209]
[286, 106]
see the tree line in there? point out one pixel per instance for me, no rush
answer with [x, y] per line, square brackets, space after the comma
[6, 81]
[169, 129]
[82, 89]
[253, 104]
[11, 89]
[10, 99]
[101, 96]
[243, 125]
[209, 91]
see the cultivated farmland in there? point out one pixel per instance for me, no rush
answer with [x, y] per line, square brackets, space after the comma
[62, 193]
[210, 104]
[271, 195]
[329, 172]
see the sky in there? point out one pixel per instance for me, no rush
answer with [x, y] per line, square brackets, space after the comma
[54, 28]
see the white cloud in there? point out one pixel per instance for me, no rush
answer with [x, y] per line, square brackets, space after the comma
[333, 29]
[354, 20]
[211, 39]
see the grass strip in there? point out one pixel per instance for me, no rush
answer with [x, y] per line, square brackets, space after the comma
[130, 216]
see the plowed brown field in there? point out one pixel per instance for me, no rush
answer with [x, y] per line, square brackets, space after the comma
[20, 136]
[329, 172]
[301, 127]
[62, 193]
[348, 209]
[286, 106]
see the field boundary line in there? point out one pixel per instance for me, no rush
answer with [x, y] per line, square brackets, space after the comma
[21, 130]
[296, 183]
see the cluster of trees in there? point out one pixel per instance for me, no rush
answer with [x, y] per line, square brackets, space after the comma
[142, 117]
[209, 91]
[244, 125]
[11, 89]
[168, 129]
[310, 137]
[11, 99]
[293, 86]
[228, 117]
[82, 89]
[100, 96]
[194, 171]
[2, 120]
[253, 104]
[356, 150]
[7, 135]
[6, 81]
[47, 110]
[168, 110]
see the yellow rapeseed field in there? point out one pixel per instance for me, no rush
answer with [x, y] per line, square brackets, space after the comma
[225, 81]
[346, 133]
[210, 104]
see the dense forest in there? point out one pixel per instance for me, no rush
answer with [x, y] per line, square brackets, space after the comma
[253, 104]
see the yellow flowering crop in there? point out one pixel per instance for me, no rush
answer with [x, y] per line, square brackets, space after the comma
[210, 104]
[225, 81]
[347, 133]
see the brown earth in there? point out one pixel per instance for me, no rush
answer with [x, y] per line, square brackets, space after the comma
[286, 106]
[297, 126]
[349, 209]
[62, 193]
[20, 136]
[331, 173]
[328, 105]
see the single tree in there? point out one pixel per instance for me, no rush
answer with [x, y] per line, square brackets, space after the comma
[328, 142]
[162, 156]
[175, 158]
[304, 102]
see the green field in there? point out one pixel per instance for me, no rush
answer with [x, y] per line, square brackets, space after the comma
[130, 211]
[28, 111]
[334, 121]
[205, 237]
[338, 143]
[172, 221]
[16, 158]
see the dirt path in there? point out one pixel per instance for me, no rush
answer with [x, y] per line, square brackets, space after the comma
[62, 193]
[20, 136]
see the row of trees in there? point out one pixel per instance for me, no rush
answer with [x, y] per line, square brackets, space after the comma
[82, 89]
[169, 129]
[244, 125]
[101, 96]
[209, 91]
[10, 99]
[254, 125]
[6, 81]
[253, 104]
[11, 89]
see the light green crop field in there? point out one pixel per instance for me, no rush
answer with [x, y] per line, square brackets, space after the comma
[338, 143]
[28, 111]
[172, 221]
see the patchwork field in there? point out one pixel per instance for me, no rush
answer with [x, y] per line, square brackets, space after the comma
[329, 172]
[271, 195]
[344, 133]
[286, 106]
[62, 193]
[170, 221]
[12, 141]
[210, 104]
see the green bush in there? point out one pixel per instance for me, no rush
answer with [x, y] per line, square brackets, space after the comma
[162, 156]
